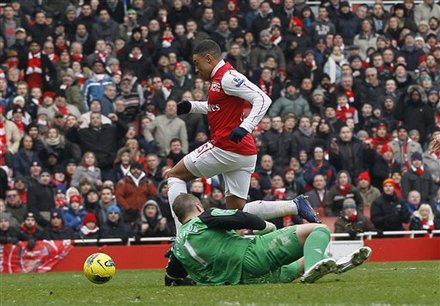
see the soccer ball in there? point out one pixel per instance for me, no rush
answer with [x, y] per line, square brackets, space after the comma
[99, 268]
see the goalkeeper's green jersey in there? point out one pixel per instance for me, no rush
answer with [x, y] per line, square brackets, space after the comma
[208, 248]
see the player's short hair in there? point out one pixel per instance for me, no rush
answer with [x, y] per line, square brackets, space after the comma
[184, 204]
[208, 47]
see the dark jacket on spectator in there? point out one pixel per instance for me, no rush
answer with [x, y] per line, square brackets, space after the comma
[379, 168]
[115, 230]
[415, 114]
[423, 184]
[352, 227]
[41, 198]
[348, 25]
[104, 142]
[22, 162]
[64, 232]
[334, 199]
[279, 145]
[350, 157]
[389, 212]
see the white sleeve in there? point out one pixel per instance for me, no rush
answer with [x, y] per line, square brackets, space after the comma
[199, 107]
[236, 84]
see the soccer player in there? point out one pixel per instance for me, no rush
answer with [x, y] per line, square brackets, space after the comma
[231, 151]
[208, 249]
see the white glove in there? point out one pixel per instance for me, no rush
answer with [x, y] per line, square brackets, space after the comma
[270, 227]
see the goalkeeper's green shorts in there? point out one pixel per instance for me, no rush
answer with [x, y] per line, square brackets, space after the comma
[270, 258]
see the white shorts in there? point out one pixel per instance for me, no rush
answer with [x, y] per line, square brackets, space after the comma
[209, 160]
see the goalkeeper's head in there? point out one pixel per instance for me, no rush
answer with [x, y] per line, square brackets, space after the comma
[187, 206]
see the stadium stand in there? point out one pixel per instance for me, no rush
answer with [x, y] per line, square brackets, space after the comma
[87, 139]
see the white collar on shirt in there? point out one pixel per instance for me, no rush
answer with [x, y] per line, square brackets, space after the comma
[217, 67]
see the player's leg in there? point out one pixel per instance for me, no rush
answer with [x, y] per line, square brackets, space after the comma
[353, 260]
[177, 178]
[236, 189]
[315, 239]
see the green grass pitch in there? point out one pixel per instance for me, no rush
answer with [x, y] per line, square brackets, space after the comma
[393, 283]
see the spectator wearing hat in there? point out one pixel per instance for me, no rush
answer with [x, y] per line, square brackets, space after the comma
[382, 136]
[89, 227]
[15, 207]
[115, 227]
[183, 80]
[135, 189]
[151, 222]
[388, 212]
[57, 229]
[347, 23]
[415, 113]
[264, 48]
[30, 232]
[26, 154]
[33, 175]
[419, 178]
[343, 189]
[352, 222]
[41, 198]
[8, 234]
[368, 192]
[291, 102]
[75, 213]
[296, 35]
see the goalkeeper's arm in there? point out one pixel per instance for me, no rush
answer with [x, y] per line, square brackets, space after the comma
[176, 274]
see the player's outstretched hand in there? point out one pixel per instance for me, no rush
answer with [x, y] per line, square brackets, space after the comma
[237, 134]
[270, 227]
[183, 107]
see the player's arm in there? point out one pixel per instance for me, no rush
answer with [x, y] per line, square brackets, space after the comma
[231, 219]
[196, 107]
[236, 84]
[176, 274]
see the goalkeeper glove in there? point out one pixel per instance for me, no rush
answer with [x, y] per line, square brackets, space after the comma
[270, 227]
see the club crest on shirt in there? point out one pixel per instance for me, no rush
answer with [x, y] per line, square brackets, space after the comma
[216, 86]
[237, 81]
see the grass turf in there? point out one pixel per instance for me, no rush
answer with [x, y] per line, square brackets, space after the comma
[394, 283]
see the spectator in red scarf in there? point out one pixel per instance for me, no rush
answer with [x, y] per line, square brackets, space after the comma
[419, 178]
[382, 137]
[344, 110]
[38, 69]
[89, 228]
[338, 193]
[29, 231]
[423, 219]
[351, 222]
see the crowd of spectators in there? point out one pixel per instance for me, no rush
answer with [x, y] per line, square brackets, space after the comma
[88, 124]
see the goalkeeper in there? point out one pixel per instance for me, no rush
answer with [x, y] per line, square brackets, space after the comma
[208, 249]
